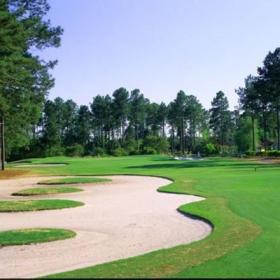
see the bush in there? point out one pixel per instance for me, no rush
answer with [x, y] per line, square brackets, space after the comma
[250, 153]
[273, 153]
[119, 152]
[55, 151]
[149, 151]
[131, 146]
[209, 149]
[112, 145]
[76, 150]
[98, 151]
[155, 145]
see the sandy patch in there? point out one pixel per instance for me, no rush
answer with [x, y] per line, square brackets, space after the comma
[120, 219]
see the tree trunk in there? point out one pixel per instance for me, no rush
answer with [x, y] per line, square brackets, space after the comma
[264, 131]
[278, 128]
[253, 134]
[2, 143]
[182, 138]
[172, 140]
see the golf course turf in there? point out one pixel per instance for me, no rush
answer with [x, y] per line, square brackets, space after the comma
[46, 190]
[72, 181]
[242, 203]
[33, 235]
[37, 205]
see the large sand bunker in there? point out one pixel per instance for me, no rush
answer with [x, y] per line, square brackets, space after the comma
[124, 218]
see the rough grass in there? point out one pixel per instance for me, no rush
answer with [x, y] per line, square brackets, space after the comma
[46, 191]
[12, 173]
[242, 203]
[36, 205]
[33, 235]
[72, 181]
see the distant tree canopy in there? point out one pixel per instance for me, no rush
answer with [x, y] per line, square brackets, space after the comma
[260, 100]
[125, 122]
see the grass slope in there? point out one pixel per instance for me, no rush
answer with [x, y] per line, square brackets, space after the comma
[36, 205]
[33, 235]
[72, 181]
[242, 204]
[46, 190]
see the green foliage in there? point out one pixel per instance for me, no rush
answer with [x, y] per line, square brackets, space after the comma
[98, 151]
[55, 150]
[25, 78]
[220, 119]
[210, 149]
[118, 152]
[270, 153]
[155, 145]
[75, 150]
[131, 146]
[243, 135]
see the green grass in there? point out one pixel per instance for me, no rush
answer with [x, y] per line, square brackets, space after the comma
[33, 235]
[46, 190]
[72, 181]
[36, 205]
[242, 204]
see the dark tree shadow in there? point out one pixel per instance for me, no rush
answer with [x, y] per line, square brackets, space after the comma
[171, 163]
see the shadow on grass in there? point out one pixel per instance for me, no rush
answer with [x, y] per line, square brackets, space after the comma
[206, 164]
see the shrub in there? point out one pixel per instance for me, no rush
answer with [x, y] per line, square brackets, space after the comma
[155, 145]
[131, 146]
[149, 151]
[210, 149]
[273, 153]
[112, 145]
[119, 152]
[98, 151]
[76, 150]
[55, 151]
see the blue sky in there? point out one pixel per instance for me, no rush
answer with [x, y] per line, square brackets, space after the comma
[160, 46]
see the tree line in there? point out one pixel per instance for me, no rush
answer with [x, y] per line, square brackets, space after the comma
[128, 123]
[125, 122]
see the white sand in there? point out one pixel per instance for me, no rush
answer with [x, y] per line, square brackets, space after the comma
[125, 218]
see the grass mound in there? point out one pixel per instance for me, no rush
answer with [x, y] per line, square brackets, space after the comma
[37, 205]
[46, 190]
[70, 181]
[33, 235]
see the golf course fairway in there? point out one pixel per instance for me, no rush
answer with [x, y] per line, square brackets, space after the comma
[242, 203]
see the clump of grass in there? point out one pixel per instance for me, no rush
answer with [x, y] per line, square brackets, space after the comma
[33, 235]
[70, 181]
[37, 205]
[46, 190]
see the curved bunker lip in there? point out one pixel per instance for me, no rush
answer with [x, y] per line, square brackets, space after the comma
[123, 218]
